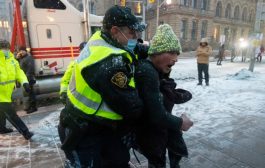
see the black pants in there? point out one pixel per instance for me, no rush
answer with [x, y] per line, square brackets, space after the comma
[9, 113]
[98, 147]
[203, 68]
[219, 61]
[259, 57]
[32, 97]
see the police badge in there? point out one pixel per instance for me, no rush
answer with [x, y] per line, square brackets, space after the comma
[119, 79]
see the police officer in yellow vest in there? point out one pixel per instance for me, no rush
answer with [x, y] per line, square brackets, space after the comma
[102, 95]
[10, 72]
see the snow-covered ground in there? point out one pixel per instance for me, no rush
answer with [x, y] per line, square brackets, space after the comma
[234, 92]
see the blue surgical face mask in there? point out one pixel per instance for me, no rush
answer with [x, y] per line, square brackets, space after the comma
[131, 44]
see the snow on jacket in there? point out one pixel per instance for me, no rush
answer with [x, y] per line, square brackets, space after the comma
[10, 72]
[203, 54]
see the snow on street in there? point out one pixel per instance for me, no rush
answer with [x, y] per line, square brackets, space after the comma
[228, 115]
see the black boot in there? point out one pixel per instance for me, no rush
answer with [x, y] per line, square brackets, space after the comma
[6, 130]
[31, 110]
[28, 135]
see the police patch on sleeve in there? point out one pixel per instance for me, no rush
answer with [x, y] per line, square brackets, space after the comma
[119, 79]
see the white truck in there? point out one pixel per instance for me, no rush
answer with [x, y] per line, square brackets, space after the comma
[52, 31]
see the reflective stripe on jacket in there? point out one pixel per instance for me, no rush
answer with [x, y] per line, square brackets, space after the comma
[80, 94]
[10, 72]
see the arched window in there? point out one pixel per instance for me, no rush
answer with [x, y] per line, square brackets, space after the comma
[218, 11]
[204, 4]
[204, 28]
[194, 28]
[194, 4]
[236, 13]
[183, 29]
[228, 11]
[244, 14]
[251, 16]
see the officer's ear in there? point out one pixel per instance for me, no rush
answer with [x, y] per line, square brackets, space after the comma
[114, 31]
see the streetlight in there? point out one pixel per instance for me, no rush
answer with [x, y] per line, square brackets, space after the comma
[158, 6]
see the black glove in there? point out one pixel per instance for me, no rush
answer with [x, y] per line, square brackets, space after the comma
[181, 96]
[32, 81]
[167, 84]
[63, 97]
[27, 87]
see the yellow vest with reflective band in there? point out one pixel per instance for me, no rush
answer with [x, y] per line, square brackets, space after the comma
[66, 77]
[10, 72]
[80, 94]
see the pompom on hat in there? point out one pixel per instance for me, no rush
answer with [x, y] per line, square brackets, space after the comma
[165, 40]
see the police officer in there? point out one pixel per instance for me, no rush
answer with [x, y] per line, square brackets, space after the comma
[10, 72]
[26, 62]
[102, 95]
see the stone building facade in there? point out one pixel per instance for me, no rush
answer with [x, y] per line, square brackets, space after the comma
[219, 20]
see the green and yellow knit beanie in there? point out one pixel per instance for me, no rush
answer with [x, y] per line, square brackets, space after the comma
[165, 40]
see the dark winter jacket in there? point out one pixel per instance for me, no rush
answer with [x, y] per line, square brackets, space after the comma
[171, 95]
[27, 65]
[147, 82]
[152, 139]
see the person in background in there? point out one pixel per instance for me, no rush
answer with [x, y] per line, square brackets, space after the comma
[102, 96]
[26, 62]
[10, 72]
[259, 57]
[221, 54]
[156, 122]
[203, 53]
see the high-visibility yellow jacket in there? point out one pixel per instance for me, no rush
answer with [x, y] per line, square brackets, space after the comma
[79, 93]
[66, 77]
[10, 72]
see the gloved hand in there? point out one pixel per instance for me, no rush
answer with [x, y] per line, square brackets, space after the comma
[181, 96]
[27, 87]
[63, 97]
[167, 84]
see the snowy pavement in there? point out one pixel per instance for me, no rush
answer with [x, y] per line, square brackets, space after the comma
[228, 116]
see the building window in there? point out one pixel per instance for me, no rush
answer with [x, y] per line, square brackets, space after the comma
[218, 12]
[236, 13]
[194, 4]
[194, 27]
[228, 11]
[244, 15]
[204, 28]
[227, 34]
[92, 7]
[184, 2]
[49, 4]
[251, 16]
[183, 29]
[204, 4]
